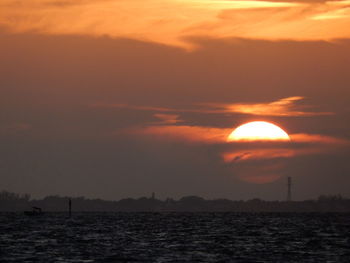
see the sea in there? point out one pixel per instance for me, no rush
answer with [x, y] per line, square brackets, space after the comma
[175, 237]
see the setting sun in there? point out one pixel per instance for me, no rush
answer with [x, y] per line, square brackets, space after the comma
[258, 131]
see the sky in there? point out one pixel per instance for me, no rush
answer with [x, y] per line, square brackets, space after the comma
[121, 98]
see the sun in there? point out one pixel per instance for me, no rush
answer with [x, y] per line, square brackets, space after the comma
[258, 131]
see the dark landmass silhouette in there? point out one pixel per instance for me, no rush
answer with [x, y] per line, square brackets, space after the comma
[12, 202]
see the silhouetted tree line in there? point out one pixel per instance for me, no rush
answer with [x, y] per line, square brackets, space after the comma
[12, 202]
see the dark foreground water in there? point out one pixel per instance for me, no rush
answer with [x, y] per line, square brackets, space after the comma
[175, 237]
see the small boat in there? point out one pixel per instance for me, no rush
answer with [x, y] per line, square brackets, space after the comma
[37, 211]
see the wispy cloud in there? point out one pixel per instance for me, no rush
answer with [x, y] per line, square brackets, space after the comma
[130, 107]
[167, 118]
[171, 22]
[266, 158]
[201, 134]
[334, 10]
[317, 138]
[257, 154]
[255, 162]
[184, 133]
[282, 107]
[266, 163]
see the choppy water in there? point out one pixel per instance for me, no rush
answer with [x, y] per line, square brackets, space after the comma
[175, 237]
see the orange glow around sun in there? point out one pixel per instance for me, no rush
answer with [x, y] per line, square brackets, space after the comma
[258, 131]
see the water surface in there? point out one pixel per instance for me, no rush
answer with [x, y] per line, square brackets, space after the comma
[175, 237]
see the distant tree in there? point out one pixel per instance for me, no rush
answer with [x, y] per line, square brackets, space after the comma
[26, 197]
[330, 198]
[191, 198]
[8, 196]
[255, 200]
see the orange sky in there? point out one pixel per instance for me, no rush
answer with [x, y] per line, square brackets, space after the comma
[174, 22]
[134, 96]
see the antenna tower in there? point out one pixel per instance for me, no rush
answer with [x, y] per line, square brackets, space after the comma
[289, 193]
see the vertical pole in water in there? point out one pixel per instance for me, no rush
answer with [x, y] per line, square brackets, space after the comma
[289, 194]
[70, 207]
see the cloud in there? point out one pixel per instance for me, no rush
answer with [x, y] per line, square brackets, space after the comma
[335, 10]
[254, 162]
[171, 22]
[130, 107]
[257, 154]
[215, 135]
[300, 144]
[283, 107]
[316, 138]
[191, 134]
[167, 118]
